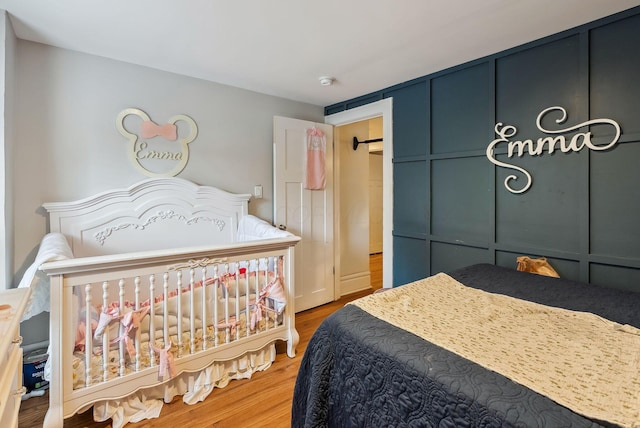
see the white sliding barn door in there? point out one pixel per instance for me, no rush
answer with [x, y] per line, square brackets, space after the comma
[306, 213]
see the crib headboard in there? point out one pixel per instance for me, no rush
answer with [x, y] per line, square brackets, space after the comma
[154, 214]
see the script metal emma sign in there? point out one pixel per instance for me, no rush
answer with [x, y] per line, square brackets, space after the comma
[554, 140]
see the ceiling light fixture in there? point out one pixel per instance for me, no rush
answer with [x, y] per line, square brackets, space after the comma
[326, 80]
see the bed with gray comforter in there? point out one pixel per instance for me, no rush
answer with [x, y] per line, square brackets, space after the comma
[360, 371]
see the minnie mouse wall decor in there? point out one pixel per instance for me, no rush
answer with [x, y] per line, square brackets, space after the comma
[157, 150]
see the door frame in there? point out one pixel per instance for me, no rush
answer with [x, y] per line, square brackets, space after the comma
[382, 108]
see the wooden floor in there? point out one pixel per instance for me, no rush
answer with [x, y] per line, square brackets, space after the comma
[265, 400]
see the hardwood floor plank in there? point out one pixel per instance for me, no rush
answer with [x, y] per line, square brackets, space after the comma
[264, 400]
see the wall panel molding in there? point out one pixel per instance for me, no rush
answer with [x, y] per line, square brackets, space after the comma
[451, 208]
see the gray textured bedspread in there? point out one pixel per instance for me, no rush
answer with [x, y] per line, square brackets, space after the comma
[359, 371]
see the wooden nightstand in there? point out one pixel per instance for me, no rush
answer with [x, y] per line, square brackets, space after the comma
[11, 388]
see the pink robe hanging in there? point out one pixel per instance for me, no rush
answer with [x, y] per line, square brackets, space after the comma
[314, 178]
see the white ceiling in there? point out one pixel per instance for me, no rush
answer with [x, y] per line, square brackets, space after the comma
[282, 47]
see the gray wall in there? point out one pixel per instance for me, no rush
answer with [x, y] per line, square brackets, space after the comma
[66, 144]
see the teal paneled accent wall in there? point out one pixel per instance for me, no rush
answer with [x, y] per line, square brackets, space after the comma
[582, 211]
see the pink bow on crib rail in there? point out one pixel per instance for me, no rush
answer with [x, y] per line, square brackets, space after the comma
[81, 340]
[166, 366]
[273, 290]
[150, 129]
[106, 317]
[131, 321]
[231, 325]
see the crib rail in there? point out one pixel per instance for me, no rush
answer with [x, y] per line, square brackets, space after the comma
[149, 316]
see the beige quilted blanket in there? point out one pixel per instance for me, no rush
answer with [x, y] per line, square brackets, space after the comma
[580, 360]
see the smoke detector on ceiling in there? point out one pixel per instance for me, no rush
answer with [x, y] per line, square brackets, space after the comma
[326, 80]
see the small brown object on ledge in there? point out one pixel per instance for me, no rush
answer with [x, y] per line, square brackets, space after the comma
[539, 266]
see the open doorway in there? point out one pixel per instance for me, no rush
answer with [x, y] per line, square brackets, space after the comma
[354, 230]
[359, 116]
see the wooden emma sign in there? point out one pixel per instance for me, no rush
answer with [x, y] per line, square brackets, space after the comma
[157, 150]
[555, 140]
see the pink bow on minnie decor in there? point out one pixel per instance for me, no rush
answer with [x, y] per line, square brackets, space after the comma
[150, 129]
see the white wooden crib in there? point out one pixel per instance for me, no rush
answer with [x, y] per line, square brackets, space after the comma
[160, 290]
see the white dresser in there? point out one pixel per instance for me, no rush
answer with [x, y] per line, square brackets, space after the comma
[11, 389]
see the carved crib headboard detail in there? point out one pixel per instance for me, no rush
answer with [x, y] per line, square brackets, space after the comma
[154, 214]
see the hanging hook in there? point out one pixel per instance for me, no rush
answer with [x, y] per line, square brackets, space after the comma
[356, 142]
